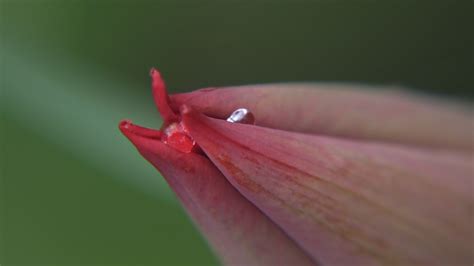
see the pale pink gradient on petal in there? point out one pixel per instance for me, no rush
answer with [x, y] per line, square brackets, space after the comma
[349, 202]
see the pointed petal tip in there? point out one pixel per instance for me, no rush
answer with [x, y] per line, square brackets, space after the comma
[161, 97]
[155, 73]
[131, 131]
[125, 124]
[148, 143]
[125, 127]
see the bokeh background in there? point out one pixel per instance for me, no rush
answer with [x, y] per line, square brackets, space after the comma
[73, 190]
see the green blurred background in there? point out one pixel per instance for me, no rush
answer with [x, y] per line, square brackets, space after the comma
[74, 191]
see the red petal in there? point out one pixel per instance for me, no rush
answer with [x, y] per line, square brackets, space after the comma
[342, 110]
[161, 97]
[236, 229]
[348, 202]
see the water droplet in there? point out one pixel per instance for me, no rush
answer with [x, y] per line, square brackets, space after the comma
[242, 116]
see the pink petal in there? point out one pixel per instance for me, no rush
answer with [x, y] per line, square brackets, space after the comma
[342, 110]
[348, 202]
[239, 233]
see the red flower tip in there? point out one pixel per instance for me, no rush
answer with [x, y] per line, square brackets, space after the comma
[173, 133]
[125, 124]
[130, 130]
[161, 98]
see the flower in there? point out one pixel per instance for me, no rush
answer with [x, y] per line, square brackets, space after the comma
[325, 176]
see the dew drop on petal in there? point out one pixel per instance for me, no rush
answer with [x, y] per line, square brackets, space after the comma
[241, 115]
